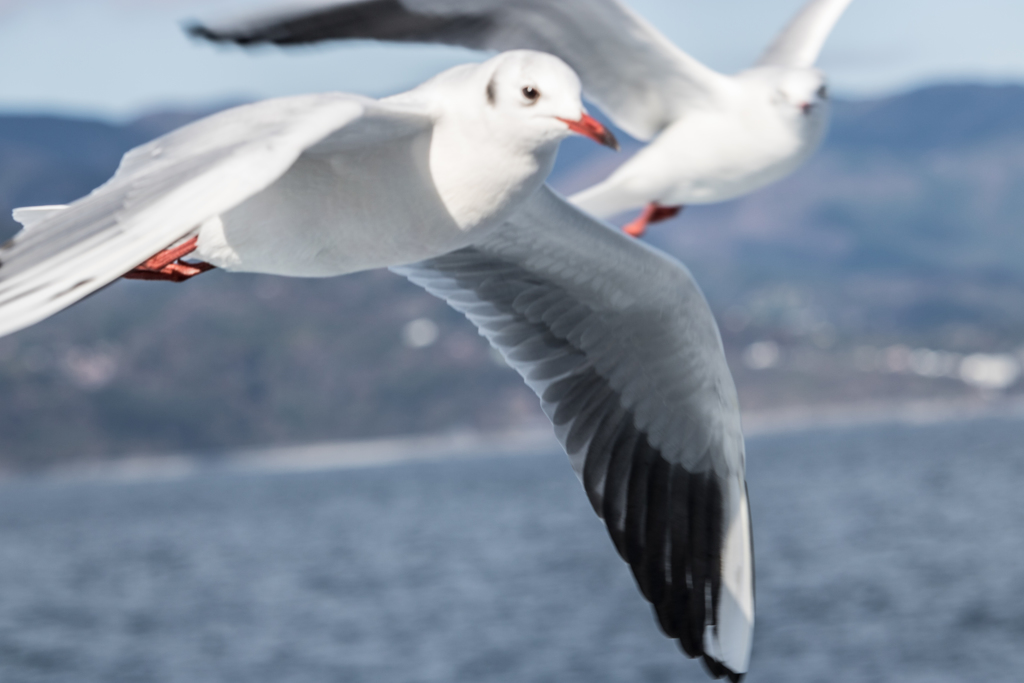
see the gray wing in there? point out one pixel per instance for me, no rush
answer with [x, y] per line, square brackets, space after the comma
[628, 68]
[619, 344]
[165, 190]
[802, 40]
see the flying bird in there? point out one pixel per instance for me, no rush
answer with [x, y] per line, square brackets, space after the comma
[445, 185]
[713, 136]
[309, 186]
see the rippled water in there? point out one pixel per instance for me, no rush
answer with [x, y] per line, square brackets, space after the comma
[884, 554]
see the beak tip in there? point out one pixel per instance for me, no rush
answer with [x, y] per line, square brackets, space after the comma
[593, 129]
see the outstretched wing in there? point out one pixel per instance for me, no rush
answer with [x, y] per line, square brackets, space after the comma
[165, 190]
[801, 41]
[619, 344]
[628, 68]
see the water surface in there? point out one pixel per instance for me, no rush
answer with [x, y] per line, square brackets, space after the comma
[888, 553]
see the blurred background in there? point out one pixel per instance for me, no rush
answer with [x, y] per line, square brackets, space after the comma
[884, 274]
[871, 307]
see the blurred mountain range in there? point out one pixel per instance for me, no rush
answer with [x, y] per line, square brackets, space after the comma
[888, 268]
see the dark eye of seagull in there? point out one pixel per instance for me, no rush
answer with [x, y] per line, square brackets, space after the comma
[531, 93]
[823, 92]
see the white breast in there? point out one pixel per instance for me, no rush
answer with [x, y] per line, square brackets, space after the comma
[713, 158]
[481, 178]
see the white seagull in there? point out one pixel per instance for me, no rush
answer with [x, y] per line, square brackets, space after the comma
[309, 186]
[445, 184]
[715, 137]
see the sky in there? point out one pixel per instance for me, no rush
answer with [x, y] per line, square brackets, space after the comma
[118, 58]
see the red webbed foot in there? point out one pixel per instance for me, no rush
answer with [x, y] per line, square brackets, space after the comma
[654, 213]
[167, 266]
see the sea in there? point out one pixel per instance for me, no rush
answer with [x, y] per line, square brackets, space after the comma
[885, 552]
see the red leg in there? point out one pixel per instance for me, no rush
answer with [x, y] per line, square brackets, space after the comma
[654, 213]
[174, 272]
[166, 265]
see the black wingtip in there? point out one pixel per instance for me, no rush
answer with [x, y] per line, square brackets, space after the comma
[195, 29]
[717, 670]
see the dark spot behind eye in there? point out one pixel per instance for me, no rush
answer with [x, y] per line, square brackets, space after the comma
[531, 93]
[823, 92]
[491, 97]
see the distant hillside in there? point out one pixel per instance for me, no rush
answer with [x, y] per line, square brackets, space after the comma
[923, 121]
[904, 233]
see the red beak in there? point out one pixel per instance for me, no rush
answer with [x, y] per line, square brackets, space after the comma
[590, 127]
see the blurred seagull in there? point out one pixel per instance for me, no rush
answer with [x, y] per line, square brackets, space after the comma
[715, 137]
[309, 186]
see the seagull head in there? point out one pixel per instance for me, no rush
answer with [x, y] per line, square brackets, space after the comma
[802, 91]
[540, 97]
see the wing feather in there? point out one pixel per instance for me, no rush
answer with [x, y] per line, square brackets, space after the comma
[802, 40]
[619, 344]
[162, 192]
[628, 67]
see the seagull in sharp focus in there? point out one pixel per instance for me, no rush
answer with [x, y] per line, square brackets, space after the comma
[713, 137]
[620, 345]
[617, 340]
[445, 185]
[308, 186]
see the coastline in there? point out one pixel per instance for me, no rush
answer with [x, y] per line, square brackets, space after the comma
[531, 440]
